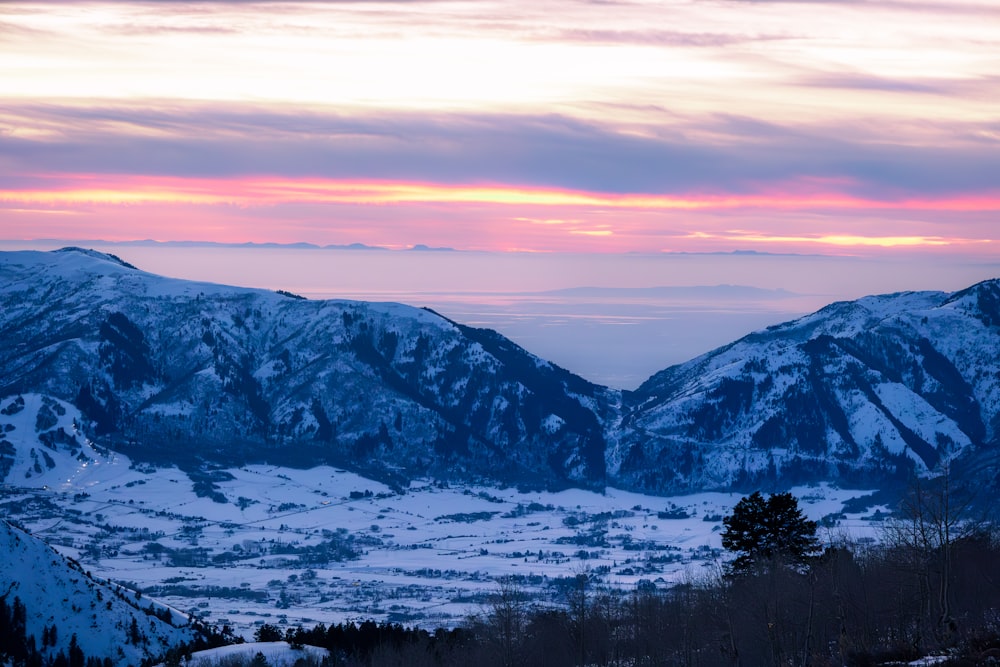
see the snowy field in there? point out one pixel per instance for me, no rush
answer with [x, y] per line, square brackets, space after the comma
[277, 654]
[264, 544]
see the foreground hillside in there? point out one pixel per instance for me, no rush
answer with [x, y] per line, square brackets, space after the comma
[63, 607]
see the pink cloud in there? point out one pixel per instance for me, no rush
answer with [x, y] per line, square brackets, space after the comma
[488, 217]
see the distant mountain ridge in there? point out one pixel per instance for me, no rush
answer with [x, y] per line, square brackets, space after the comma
[199, 374]
[300, 245]
[675, 292]
[194, 373]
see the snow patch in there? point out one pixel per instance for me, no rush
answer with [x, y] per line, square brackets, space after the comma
[552, 424]
[278, 654]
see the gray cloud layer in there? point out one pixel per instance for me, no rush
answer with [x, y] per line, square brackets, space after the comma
[552, 151]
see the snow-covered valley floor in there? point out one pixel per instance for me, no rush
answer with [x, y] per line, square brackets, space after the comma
[264, 544]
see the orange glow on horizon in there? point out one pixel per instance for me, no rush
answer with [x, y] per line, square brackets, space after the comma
[512, 218]
[266, 191]
[841, 240]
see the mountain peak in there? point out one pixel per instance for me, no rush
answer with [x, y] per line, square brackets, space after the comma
[188, 374]
[193, 374]
[865, 392]
[103, 256]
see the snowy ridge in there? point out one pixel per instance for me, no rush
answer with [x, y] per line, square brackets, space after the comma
[193, 374]
[235, 374]
[866, 391]
[41, 445]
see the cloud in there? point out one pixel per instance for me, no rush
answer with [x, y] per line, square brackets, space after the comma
[966, 88]
[658, 38]
[855, 81]
[909, 5]
[269, 4]
[746, 155]
[11, 29]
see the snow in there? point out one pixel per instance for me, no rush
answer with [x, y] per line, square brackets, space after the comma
[278, 654]
[59, 592]
[428, 553]
[552, 423]
[920, 417]
[424, 555]
[66, 463]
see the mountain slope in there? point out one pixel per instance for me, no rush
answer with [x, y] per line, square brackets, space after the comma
[864, 391]
[199, 375]
[188, 373]
[104, 620]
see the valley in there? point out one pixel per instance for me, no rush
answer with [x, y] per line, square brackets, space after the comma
[262, 544]
[254, 459]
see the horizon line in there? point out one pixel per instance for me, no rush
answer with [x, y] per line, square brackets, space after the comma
[417, 247]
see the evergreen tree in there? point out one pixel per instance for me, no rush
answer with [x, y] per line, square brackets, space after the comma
[268, 633]
[60, 660]
[133, 632]
[766, 532]
[76, 656]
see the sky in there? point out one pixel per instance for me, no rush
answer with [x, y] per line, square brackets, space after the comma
[838, 127]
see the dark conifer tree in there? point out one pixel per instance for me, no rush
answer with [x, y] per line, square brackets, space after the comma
[76, 657]
[766, 532]
[133, 632]
[60, 660]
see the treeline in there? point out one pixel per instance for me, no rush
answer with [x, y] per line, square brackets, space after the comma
[371, 643]
[853, 606]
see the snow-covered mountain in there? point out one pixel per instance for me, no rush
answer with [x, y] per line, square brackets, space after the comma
[862, 391]
[187, 373]
[197, 374]
[65, 607]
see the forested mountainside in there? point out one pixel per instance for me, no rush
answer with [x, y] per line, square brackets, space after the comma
[187, 373]
[198, 374]
[861, 392]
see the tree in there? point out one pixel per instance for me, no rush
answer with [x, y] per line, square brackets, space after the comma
[76, 656]
[134, 635]
[578, 610]
[268, 633]
[506, 619]
[767, 532]
[933, 518]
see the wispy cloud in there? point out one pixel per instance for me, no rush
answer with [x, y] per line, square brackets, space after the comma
[633, 125]
[653, 37]
[747, 155]
[257, 190]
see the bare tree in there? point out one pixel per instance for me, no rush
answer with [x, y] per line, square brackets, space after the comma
[507, 614]
[578, 606]
[933, 517]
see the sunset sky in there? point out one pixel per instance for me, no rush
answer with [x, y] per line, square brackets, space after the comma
[824, 126]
